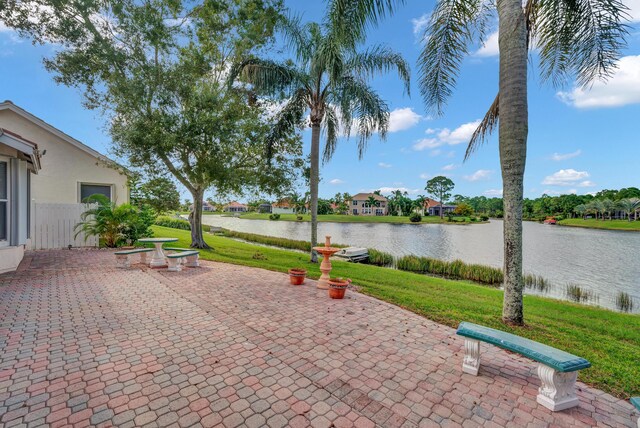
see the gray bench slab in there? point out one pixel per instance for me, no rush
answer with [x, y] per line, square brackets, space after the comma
[557, 369]
[122, 257]
[635, 401]
[175, 259]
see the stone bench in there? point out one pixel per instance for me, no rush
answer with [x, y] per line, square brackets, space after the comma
[122, 257]
[177, 259]
[557, 370]
[635, 401]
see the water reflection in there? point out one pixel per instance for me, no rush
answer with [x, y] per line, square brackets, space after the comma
[604, 262]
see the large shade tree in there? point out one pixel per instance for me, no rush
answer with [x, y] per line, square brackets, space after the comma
[158, 70]
[327, 79]
[579, 39]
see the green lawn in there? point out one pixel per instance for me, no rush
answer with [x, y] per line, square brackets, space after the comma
[339, 218]
[610, 340]
[600, 224]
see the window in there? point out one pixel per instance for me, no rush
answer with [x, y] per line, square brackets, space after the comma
[4, 202]
[87, 190]
[355, 202]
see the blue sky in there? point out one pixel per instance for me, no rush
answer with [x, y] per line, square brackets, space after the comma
[579, 141]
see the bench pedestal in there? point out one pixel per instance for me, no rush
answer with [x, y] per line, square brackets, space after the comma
[558, 390]
[175, 265]
[122, 261]
[471, 362]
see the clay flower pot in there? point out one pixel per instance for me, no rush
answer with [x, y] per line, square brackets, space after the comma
[297, 276]
[337, 287]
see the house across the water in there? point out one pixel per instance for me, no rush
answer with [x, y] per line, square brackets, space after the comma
[235, 207]
[359, 205]
[432, 207]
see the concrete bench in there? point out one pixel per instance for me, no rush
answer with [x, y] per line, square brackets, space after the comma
[177, 259]
[122, 257]
[636, 403]
[557, 369]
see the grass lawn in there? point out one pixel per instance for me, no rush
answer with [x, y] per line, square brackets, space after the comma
[610, 340]
[600, 224]
[339, 218]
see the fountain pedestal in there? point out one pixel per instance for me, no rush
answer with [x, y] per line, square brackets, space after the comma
[325, 267]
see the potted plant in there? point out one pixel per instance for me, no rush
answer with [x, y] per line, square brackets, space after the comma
[337, 287]
[297, 276]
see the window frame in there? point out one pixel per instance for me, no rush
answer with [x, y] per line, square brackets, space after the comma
[85, 183]
[7, 201]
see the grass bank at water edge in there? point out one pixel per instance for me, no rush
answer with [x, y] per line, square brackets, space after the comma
[610, 340]
[340, 218]
[601, 224]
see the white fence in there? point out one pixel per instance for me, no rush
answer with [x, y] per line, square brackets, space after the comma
[54, 227]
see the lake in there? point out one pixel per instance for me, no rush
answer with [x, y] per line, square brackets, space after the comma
[601, 261]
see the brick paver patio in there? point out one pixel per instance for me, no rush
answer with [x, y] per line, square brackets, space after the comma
[83, 343]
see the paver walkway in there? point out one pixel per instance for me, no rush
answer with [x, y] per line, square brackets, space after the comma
[83, 343]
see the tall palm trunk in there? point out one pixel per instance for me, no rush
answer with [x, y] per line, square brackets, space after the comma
[195, 219]
[313, 184]
[513, 147]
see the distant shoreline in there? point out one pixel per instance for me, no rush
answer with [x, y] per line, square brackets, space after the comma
[616, 225]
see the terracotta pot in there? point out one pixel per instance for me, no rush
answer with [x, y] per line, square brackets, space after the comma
[337, 287]
[297, 276]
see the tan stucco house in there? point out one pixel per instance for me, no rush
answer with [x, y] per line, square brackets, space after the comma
[40, 165]
[359, 205]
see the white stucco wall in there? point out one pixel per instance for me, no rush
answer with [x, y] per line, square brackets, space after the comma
[64, 166]
[10, 258]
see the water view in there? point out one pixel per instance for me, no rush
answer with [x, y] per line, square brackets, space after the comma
[602, 262]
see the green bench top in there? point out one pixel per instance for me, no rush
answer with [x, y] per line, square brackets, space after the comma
[183, 254]
[636, 402]
[556, 359]
[134, 251]
[179, 249]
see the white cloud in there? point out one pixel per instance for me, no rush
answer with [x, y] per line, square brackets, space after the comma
[493, 193]
[564, 156]
[425, 176]
[481, 174]
[430, 131]
[403, 118]
[490, 46]
[384, 165]
[586, 183]
[420, 24]
[449, 167]
[558, 193]
[622, 88]
[634, 9]
[336, 181]
[445, 136]
[567, 177]
[389, 190]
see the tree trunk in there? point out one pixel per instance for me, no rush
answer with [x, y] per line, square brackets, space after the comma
[513, 148]
[313, 184]
[195, 219]
[441, 212]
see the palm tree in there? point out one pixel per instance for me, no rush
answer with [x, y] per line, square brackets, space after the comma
[580, 210]
[328, 79]
[419, 203]
[580, 38]
[372, 202]
[629, 206]
[609, 207]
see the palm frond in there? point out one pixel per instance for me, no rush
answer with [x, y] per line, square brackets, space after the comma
[380, 59]
[287, 119]
[266, 76]
[450, 31]
[297, 36]
[365, 107]
[350, 19]
[331, 125]
[579, 38]
[486, 127]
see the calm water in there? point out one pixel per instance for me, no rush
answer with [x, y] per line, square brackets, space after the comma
[603, 262]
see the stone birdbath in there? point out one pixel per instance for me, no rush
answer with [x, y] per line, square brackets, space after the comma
[325, 267]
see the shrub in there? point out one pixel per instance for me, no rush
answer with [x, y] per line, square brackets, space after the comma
[379, 258]
[624, 301]
[415, 218]
[456, 269]
[299, 218]
[271, 240]
[115, 225]
[175, 223]
[274, 216]
[484, 217]
[464, 210]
